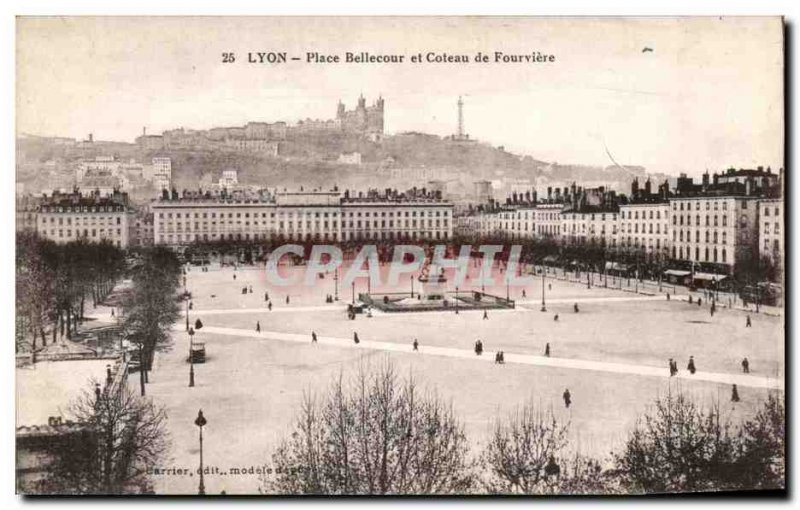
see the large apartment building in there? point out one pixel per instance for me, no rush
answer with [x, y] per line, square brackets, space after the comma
[73, 216]
[304, 216]
[723, 220]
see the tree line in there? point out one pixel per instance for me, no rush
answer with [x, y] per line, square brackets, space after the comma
[152, 305]
[380, 434]
[55, 281]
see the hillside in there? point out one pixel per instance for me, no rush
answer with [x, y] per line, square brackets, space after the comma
[311, 160]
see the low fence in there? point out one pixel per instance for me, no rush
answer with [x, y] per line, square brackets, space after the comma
[464, 300]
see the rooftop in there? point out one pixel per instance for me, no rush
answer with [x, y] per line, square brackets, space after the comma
[47, 388]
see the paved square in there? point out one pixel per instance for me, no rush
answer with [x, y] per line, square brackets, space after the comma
[612, 355]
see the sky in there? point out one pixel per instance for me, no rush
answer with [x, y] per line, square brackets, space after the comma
[708, 96]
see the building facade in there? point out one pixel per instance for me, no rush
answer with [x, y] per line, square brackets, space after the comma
[311, 216]
[770, 229]
[69, 217]
[645, 226]
[714, 229]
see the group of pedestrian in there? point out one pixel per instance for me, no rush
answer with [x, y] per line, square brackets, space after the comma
[500, 357]
[247, 290]
[673, 367]
[328, 298]
[478, 347]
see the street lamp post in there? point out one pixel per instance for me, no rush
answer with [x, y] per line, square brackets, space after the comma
[186, 298]
[354, 292]
[200, 421]
[456, 300]
[412, 284]
[191, 358]
[544, 308]
[336, 284]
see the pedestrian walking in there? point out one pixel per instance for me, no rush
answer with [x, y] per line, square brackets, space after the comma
[258, 327]
[191, 305]
[671, 367]
[485, 315]
[749, 323]
[523, 293]
[690, 367]
[713, 308]
[250, 289]
[690, 299]
[269, 306]
[266, 296]
[567, 398]
[234, 276]
[745, 366]
[549, 286]
[478, 347]
[416, 345]
[313, 337]
[734, 394]
[502, 357]
[547, 350]
[667, 296]
[112, 312]
[555, 318]
[287, 299]
[355, 338]
[497, 357]
[699, 301]
[576, 308]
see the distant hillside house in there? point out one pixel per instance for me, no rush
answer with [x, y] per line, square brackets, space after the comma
[350, 158]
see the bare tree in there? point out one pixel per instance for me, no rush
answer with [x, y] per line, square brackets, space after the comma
[524, 452]
[376, 435]
[151, 308]
[679, 447]
[124, 435]
[761, 452]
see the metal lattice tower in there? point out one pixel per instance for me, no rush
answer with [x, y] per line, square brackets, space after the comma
[460, 118]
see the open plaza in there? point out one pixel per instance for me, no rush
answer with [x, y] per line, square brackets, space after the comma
[612, 355]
